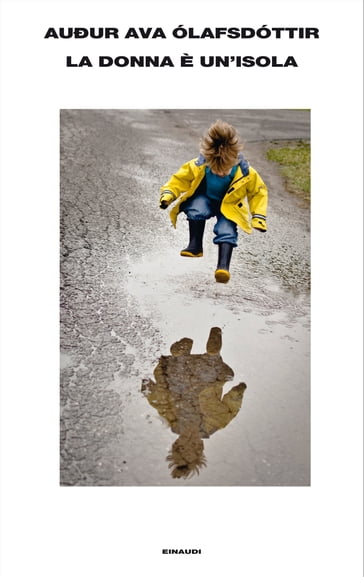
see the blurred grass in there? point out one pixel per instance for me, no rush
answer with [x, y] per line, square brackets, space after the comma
[294, 160]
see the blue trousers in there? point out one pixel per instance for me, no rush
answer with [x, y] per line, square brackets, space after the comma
[200, 207]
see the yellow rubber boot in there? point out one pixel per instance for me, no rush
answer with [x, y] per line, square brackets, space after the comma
[194, 249]
[186, 252]
[222, 275]
[222, 271]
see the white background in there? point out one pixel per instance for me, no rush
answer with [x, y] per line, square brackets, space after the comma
[54, 531]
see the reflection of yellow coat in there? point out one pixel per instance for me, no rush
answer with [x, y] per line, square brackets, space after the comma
[245, 194]
[195, 401]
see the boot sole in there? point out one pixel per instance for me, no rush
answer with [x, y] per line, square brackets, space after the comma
[222, 275]
[191, 254]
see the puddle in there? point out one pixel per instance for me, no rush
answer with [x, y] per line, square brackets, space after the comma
[265, 440]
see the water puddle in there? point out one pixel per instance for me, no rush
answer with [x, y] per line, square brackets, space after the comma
[196, 429]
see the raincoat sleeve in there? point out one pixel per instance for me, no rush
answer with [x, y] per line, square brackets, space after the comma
[257, 194]
[232, 401]
[180, 181]
[217, 412]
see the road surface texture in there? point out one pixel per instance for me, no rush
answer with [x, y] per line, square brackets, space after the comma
[148, 338]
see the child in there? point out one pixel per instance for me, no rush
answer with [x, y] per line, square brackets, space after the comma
[218, 183]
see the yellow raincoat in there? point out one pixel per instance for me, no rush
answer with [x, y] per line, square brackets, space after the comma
[246, 197]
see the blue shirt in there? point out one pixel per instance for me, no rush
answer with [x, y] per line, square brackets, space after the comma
[216, 186]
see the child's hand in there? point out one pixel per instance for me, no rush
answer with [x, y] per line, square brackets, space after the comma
[259, 224]
[166, 199]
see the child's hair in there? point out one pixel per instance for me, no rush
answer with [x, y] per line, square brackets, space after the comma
[186, 456]
[221, 146]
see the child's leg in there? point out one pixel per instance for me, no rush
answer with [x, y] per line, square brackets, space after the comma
[195, 248]
[226, 237]
[225, 230]
[197, 210]
[222, 273]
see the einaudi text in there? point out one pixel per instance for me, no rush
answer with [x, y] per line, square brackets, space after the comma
[181, 551]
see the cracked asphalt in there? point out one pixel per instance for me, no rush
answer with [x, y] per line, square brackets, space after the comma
[126, 296]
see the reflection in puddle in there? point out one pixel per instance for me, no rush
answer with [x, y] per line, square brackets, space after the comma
[188, 394]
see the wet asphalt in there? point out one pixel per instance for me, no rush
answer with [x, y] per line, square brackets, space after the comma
[127, 296]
